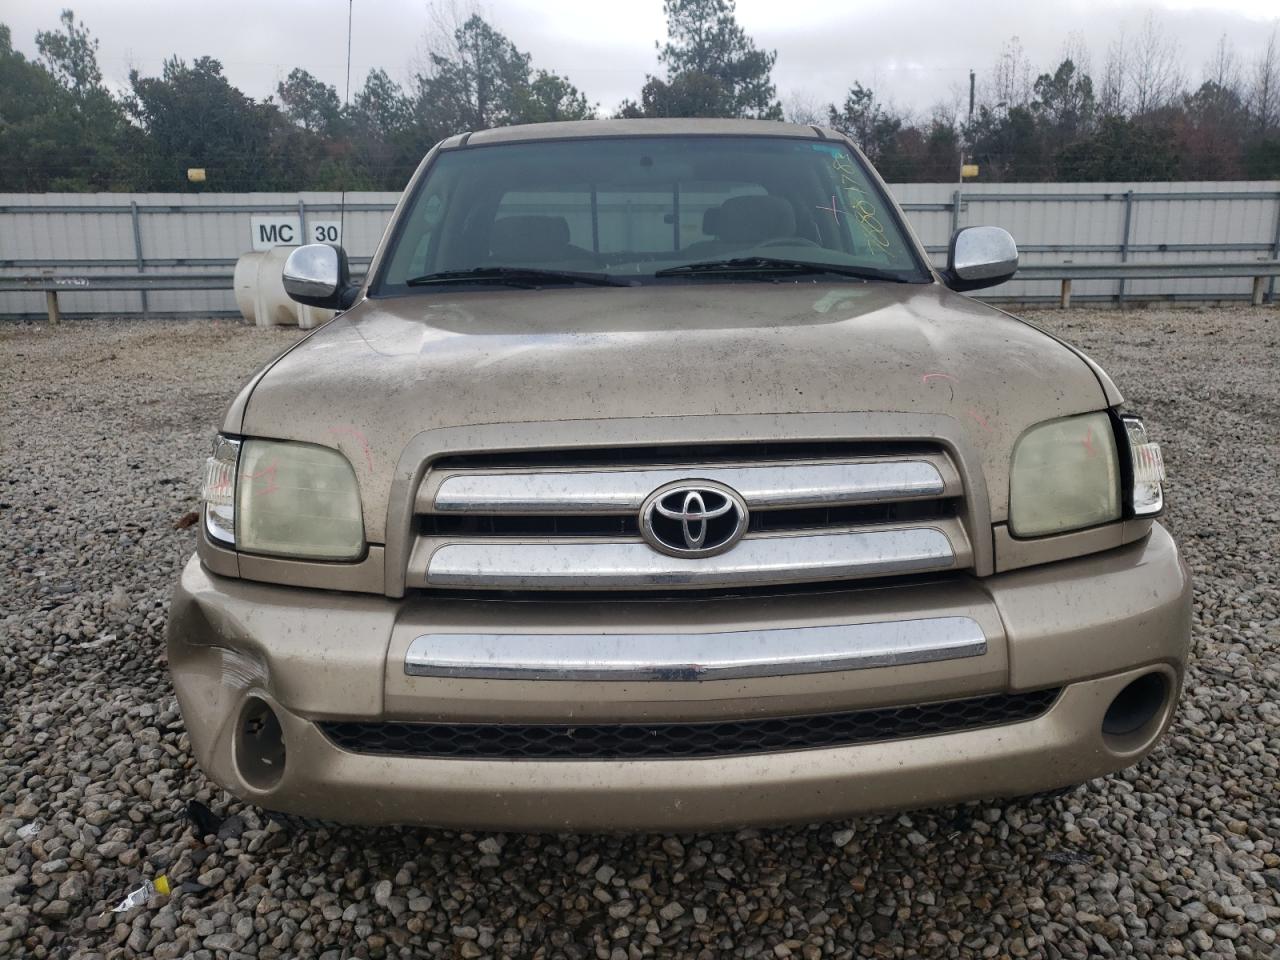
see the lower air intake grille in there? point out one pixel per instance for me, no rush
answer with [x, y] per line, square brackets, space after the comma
[656, 741]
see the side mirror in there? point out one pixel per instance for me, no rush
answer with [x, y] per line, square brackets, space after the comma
[979, 257]
[319, 276]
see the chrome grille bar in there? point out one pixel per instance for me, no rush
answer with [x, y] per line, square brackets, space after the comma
[798, 484]
[669, 657]
[755, 561]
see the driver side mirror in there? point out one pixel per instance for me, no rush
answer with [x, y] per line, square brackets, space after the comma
[319, 275]
[980, 257]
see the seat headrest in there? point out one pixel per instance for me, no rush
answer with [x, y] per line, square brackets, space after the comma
[754, 218]
[528, 237]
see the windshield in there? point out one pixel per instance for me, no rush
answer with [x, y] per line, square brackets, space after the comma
[630, 208]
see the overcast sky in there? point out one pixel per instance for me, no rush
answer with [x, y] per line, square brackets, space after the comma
[913, 53]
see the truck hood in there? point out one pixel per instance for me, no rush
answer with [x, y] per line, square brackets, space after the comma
[388, 369]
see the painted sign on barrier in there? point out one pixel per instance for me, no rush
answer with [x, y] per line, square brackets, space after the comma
[324, 231]
[274, 231]
[286, 231]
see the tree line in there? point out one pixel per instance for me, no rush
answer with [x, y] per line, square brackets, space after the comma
[1138, 118]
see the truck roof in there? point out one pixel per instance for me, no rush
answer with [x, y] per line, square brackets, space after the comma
[575, 129]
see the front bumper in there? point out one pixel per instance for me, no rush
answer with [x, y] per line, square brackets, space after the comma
[1090, 626]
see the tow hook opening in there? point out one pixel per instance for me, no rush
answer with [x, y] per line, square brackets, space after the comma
[1137, 711]
[260, 753]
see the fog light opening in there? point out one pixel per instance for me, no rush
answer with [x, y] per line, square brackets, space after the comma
[260, 751]
[1136, 711]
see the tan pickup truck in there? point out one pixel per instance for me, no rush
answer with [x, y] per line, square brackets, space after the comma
[653, 478]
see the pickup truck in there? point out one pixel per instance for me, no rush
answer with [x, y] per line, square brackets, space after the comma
[654, 478]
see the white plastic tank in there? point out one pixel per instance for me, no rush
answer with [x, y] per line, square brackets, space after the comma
[259, 291]
[272, 307]
[309, 317]
[245, 283]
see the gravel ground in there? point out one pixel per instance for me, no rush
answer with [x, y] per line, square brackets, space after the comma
[102, 431]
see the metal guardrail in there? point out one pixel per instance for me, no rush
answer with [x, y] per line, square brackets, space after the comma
[117, 281]
[1260, 270]
[51, 284]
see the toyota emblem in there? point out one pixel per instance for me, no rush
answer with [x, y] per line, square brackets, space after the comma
[696, 518]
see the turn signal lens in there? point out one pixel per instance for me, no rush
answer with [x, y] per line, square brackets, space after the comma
[219, 491]
[1147, 463]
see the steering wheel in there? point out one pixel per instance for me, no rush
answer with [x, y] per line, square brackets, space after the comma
[789, 242]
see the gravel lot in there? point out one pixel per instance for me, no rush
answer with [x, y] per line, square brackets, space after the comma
[103, 429]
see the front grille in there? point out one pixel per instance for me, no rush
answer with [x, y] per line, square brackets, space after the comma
[628, 525]
[586, 519]
[658, 741]
[618, 457]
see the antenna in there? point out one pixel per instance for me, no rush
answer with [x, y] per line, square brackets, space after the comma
[346, 103]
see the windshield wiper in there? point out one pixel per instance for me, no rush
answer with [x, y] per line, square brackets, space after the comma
[772, 266]
[516, 277]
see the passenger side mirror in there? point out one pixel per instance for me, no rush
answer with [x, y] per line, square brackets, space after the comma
[318, 275]
[980, 257]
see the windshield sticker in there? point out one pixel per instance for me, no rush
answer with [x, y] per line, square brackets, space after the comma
[860, 211]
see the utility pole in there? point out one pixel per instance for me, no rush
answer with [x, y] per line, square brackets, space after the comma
[969, 124]
[960, 180]
[955, 197]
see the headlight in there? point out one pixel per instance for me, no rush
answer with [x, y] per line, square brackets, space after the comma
[1065, 476]
[283, 498]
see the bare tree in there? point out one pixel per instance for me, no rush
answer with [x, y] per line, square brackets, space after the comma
[1264, 85]
[444, 20]
[1075, 49]
[1010, 82]
[1155, 76]
[948, 111]
[800, 106]
[1113, 99]
[1223, 69]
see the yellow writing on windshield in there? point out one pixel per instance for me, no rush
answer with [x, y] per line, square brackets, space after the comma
[860, 210]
